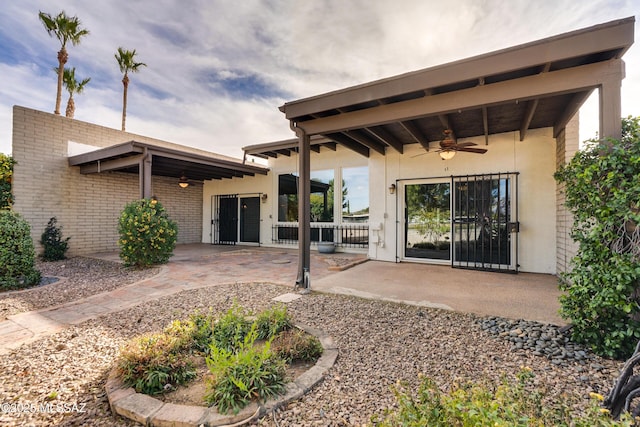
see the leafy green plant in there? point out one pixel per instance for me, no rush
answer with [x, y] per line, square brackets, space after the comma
[600, 291]
[512, 403]
[147, 234]
[55, 247]
[296, 345]
[230, 330]
[151, 363]
[272, 321]
[6, 174]
[242, 375]
[17, 254]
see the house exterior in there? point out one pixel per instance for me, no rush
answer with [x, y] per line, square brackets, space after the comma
[366, 170]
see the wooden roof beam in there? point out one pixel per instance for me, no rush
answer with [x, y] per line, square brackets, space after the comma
[386, 138]
[570, 80]
[349, 143]
[364, 139]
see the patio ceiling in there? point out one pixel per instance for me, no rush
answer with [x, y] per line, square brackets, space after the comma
[168, 162]
[535, 85]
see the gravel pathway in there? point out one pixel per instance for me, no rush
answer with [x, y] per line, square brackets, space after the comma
[80, 277]
[379, 344]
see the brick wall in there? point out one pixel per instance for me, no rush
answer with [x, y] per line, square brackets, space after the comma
[86, 206]
[566, 248]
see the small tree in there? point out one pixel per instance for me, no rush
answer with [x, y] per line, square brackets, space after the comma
[54, 245]
[17, 255]
[6, 175]
[601, 290]
[147, 235]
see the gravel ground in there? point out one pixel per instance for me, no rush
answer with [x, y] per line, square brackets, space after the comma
[80, 277]
[379, 344]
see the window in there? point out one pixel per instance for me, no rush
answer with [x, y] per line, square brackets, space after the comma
[321, 198]
[355, 194]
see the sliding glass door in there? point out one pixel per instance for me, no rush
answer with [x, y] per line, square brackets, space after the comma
[427, 218]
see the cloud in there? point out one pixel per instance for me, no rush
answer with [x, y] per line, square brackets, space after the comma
[217, 71]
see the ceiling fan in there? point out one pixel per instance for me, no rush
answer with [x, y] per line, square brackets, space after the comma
[449, 146]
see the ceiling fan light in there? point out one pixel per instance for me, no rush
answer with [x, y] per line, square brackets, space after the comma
[184, 182]
[447, 154]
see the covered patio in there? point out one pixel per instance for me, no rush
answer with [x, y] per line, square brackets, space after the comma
[523, 296]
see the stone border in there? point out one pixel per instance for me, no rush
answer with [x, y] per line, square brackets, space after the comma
[149, 411]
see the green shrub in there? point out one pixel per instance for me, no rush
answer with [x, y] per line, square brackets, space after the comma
[230, 330]
[54, 245]
[295, 345]
[272, 321]
[512, 403]
[152, 362]
[147, 235]
[603, 192]
[6, 175]
[240, 376]
[17, 254]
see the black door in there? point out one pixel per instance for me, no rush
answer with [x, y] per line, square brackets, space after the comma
[250, 219]
[226, 232]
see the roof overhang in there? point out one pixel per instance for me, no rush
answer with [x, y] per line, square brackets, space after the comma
[168, 162]
[536, 85]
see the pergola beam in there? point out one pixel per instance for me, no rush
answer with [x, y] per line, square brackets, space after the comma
[559, 82]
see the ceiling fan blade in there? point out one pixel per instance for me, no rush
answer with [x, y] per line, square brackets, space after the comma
[471, 150]
[466, 144]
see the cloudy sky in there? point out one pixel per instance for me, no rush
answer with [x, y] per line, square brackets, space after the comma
[217, 70]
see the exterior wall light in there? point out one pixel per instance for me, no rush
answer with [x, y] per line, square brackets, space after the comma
[264, 198]
[392, 189]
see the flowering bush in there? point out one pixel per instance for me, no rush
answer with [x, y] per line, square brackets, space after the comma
[147, 235]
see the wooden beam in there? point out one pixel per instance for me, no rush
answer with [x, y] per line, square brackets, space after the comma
[572, 108]
[364, 139]
[532, 105]
[349, 143]
[485, 125]
[110, 165]
[554, 83]
[386, 138]
[416, 133]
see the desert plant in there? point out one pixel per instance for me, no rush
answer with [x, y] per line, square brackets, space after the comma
[512, 403]
[242, 375]
[601, 289]
[230, 330]
[147, 234]
[54, 245]
[152, 363]
[17, 254]
[296, 345]
[272, 321]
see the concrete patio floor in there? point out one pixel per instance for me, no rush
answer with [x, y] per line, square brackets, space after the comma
[522, 296]
[519, 296]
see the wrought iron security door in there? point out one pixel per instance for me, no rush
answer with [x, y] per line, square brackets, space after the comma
[485, 222]
[225, 220]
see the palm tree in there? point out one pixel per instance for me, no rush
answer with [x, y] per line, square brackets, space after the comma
[65, 29]
[126, 62]
[73, 86]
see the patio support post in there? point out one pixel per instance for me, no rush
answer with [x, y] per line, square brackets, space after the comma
[144, 172]
[611, 105]
[304, 209]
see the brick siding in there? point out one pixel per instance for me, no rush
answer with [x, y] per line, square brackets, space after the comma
[86, 206]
